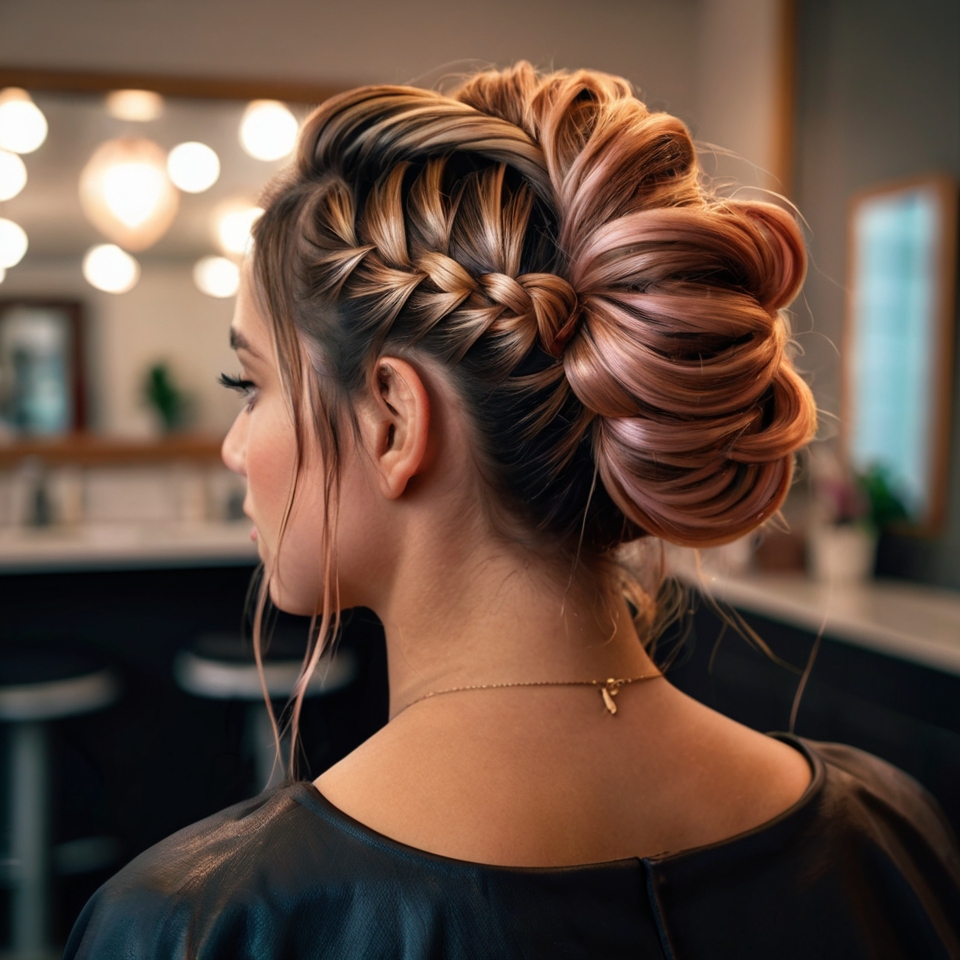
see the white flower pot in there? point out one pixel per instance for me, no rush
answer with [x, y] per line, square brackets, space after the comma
[841, 554]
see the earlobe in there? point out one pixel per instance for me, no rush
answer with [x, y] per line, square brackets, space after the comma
[402, 429]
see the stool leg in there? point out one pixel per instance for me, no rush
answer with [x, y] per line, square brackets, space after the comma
[30, 829]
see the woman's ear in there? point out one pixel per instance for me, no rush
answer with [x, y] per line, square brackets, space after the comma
[399, 424]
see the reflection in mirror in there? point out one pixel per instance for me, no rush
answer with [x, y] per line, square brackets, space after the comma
[41, 380]
[898, 348]
[137, 207]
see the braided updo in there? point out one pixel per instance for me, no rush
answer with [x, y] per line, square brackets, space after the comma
[615, 331]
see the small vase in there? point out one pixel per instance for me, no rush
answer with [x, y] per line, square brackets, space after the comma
[842, 554]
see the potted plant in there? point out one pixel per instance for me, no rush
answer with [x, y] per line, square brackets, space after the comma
[850, 511]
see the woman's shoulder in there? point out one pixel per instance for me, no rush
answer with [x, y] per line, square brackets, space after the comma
[237, 871]
[864, 862]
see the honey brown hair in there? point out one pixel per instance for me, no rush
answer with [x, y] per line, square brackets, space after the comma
[616, 331]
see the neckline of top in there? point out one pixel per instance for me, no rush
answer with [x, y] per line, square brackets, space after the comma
[770, 831]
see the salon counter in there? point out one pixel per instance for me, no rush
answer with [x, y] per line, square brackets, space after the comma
[107, 546]
[884, 677]
[910, 621]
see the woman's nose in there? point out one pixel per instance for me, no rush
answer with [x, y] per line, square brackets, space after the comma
[232, 450]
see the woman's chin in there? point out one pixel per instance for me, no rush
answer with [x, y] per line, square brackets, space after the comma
[288, 601]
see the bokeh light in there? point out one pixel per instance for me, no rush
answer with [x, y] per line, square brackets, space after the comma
[193, 167]
[139, 106]
[13, 243]
[126, 194]
[23, 127]
[13, 175]
[234, 221]
[110, 269]
[268, 130]
[216, 276]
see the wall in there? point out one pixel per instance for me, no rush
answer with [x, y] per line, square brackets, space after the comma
[341, 42]
[743, 100]
[878, 98]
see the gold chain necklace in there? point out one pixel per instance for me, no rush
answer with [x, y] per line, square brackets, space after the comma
[609, 688]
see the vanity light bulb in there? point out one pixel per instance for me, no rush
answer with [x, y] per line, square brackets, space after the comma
[13, 175]
[268, 130]
[23, 127]
[13, 243]
[233, 228]
[216, 277]
[193, 167]
[110, 269]
[139, 106]
[126, 194]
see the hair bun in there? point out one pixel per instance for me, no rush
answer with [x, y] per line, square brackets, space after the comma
[678, 348]
[681, 354]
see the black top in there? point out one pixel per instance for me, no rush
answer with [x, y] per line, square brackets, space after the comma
[863, 865]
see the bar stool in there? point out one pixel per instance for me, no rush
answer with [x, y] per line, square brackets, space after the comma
[37, 687]
[222, 667]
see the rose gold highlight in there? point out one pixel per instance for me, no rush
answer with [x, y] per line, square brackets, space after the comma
[616, 332]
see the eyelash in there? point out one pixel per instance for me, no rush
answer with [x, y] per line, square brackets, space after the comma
[246, 388]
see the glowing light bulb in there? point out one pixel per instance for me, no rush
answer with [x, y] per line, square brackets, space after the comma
[23, 127]
[193, 167]
[13, 175]
[139, 106]
[216, 276]
[110, 269]
[234, 221]
[132, 191]
[268, 130]
[13, 243]
[126, 194]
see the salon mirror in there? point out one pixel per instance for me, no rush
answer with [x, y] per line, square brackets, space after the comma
[171, 303]
[898, 343]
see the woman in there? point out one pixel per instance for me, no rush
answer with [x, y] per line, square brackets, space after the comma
[487, 341]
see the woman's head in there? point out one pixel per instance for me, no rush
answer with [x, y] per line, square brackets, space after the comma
[613, 330]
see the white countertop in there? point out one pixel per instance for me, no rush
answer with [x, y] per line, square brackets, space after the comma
[125, 545]
[906, 620]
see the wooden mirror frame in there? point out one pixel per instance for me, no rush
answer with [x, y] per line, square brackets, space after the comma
[82, 447]
[938, 392]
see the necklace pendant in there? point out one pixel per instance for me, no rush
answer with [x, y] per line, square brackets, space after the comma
[608, 694]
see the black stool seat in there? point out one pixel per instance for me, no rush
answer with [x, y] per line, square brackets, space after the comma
[49, 686]
[223, 667]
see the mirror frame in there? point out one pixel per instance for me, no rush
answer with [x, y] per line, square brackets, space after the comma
[938, 401]
[82, 446]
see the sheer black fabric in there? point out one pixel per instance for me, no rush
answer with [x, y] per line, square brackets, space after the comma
[863, 865]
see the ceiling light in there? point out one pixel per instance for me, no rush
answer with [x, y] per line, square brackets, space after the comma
[13, 175]
[126, 193]
[193, 167]
[110, 269]
[234, 221]
[268, 130]
[216, 276]
[136, 105]
[13, 243]
[22, 125]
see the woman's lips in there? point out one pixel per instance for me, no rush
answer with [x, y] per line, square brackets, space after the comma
[253, 533]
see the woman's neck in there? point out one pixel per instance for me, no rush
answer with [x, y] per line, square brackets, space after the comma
[500, 614]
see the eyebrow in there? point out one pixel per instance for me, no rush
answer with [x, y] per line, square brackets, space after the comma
[239, 342]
